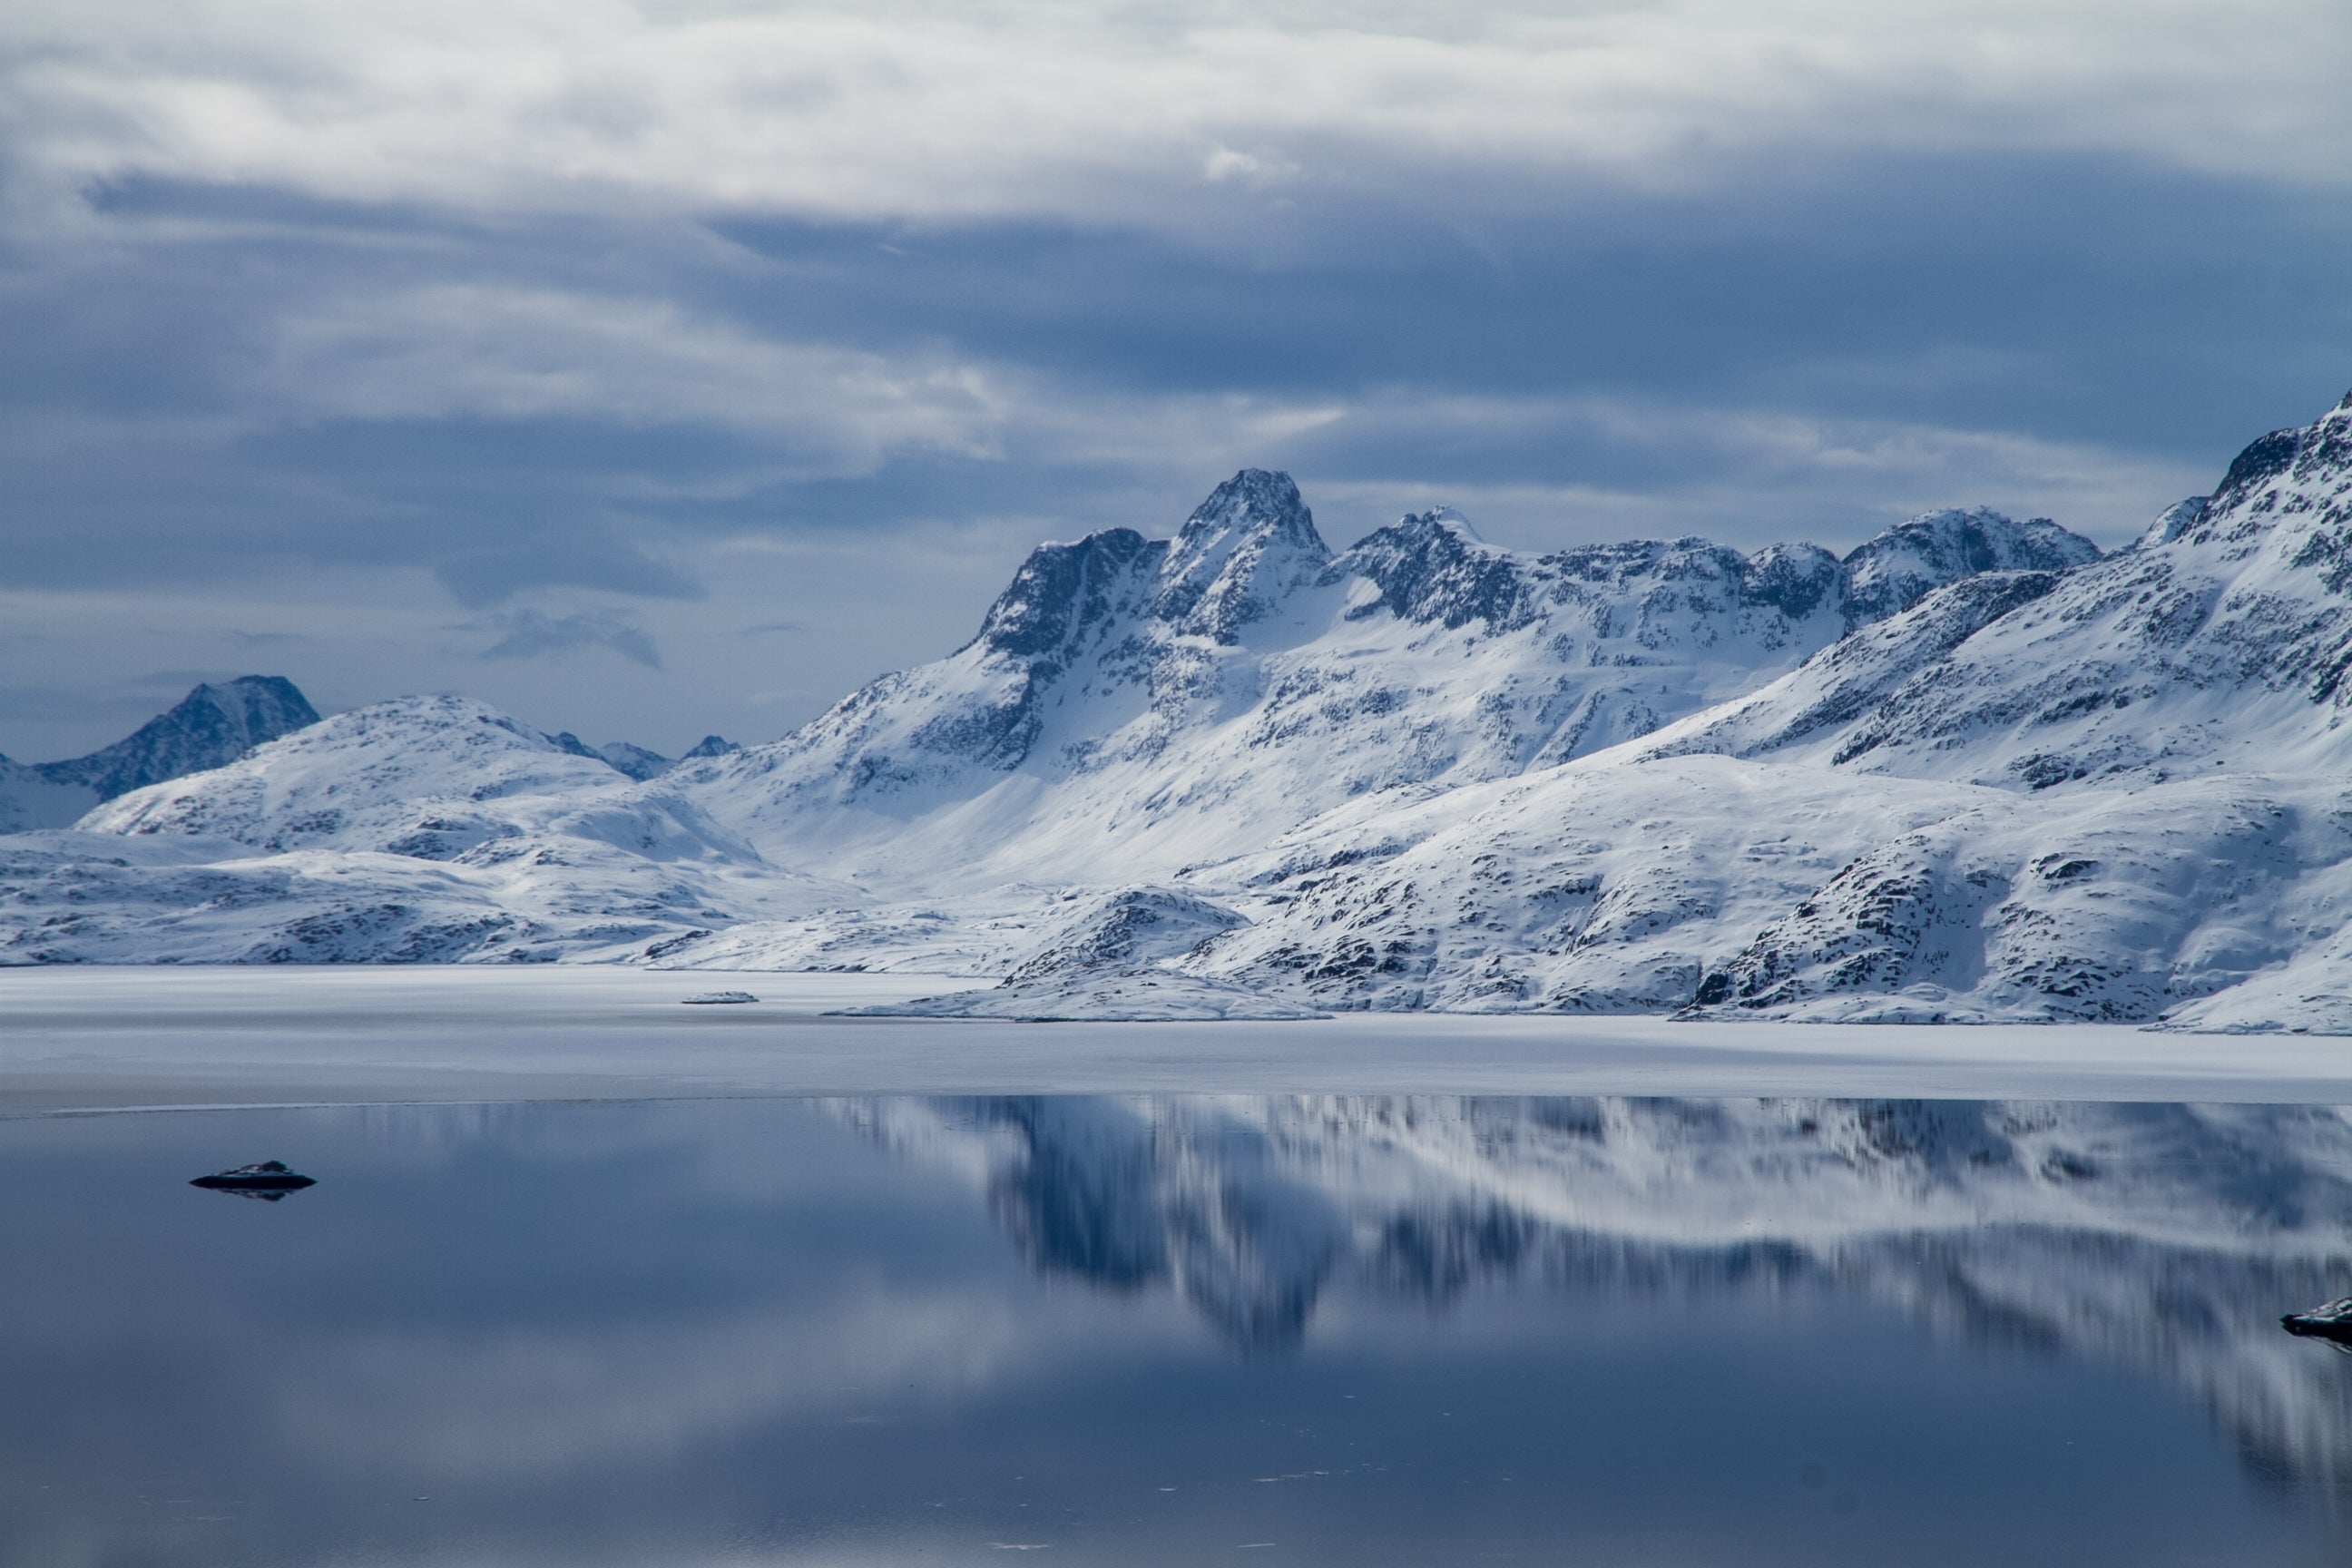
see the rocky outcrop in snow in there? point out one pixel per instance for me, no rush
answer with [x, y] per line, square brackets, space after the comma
[1904, 565]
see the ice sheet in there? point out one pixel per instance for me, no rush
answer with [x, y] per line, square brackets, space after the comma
[114, 1038]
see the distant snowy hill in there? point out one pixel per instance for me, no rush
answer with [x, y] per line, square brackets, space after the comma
[641, 763]
[1973, 770]
[211, 726]
[422, 829]
[635, 761]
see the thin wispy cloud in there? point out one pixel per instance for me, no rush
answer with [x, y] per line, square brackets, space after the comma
[534, 634]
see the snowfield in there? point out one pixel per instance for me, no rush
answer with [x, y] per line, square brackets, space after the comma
[1973, 771]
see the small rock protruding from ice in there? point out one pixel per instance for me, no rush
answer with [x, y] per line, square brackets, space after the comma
[268, 1181]
[2332, 1322]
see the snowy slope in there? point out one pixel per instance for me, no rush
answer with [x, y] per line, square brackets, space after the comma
[425, 828]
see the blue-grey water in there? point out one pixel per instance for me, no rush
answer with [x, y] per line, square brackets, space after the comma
[1149, 1330]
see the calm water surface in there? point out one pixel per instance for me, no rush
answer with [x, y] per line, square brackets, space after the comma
[1138, 1330]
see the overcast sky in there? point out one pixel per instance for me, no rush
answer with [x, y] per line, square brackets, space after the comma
[664, 368]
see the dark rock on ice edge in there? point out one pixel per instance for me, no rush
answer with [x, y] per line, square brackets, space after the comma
[269, 1179]
[2332, 1322]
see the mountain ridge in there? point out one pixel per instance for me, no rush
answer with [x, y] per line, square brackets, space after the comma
[1972, 771]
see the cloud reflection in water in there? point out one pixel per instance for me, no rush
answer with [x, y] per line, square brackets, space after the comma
[1374, 1329]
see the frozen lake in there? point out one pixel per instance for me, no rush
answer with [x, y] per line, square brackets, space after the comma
[590, 1277]
[1142, 1331]
[108, 1037]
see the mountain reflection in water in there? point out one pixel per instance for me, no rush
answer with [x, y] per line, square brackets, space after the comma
[2167, 1237]
[1146, 1331]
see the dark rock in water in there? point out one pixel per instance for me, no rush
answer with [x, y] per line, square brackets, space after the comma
[268, 1181]
[2332, 1322]
[720, 998]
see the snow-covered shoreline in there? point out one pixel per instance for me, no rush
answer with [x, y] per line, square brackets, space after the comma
[85, 1039]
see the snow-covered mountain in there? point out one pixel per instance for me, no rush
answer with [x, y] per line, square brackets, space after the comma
[423, 829]
[1973, 770]
[2165, 1240]
[641, 763]
[1160, 704]
[210, 726]
[2112, 791]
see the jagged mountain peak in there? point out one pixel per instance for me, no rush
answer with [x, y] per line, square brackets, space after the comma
[1432, 567]
[1255, 501]
[1060, 589]
[1794, 579]
[212, 725]
[1900, 566]
[2302, 473]
[1242, 552]
[1453, 522]
[709, 746]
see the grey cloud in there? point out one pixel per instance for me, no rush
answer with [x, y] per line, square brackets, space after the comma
[610, 564]
[534, 634]
[227, 387]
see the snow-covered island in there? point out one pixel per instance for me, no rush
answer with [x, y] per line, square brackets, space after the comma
[1973, 771]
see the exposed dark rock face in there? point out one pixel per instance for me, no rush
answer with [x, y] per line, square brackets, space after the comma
[212, 726]
[1432, 568]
